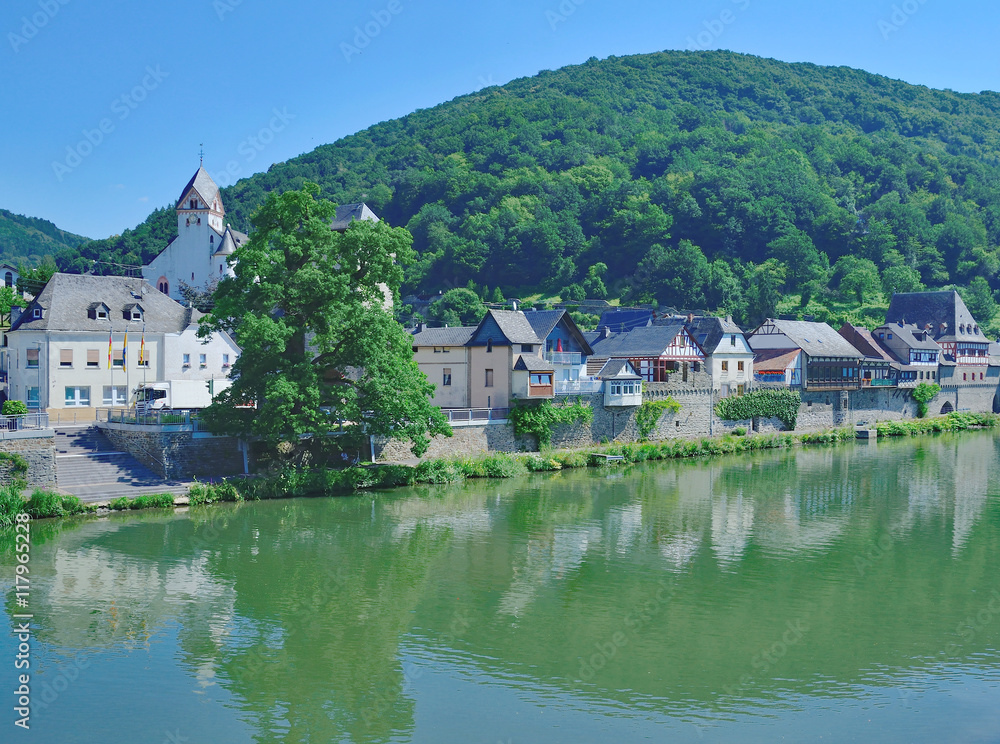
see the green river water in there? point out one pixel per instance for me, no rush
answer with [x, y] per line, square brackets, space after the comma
[834, 594]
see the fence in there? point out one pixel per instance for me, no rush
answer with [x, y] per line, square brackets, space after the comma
[27, 421]
[578, 387]
[188, 420]
[469, 415]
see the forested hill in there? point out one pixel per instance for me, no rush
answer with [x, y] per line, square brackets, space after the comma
[28, 239]
[699, 179]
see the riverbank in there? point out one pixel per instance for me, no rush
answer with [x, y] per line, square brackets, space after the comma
[290, 483]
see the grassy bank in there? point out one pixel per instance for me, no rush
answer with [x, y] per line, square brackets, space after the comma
[291, 483]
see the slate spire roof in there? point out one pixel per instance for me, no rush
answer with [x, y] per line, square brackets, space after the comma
[347, 213]
[204, 185]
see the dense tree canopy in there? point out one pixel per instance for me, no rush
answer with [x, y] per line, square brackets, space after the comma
[320, 351]
[668, 162]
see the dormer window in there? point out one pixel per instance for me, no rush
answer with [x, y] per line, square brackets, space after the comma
[132, 312]
[36, 312]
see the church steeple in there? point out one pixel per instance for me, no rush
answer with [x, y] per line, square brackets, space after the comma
[200, 203]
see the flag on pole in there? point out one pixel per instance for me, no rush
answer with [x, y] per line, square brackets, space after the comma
[125, 348]
[111, 335]
[142, 346]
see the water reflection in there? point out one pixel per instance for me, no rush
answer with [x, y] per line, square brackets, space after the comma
[680, 592]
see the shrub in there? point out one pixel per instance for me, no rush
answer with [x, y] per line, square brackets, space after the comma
[44, 504]
[923, 394]
[542, 464]
[14, 408]
[11, 504]
[571, 459]
[120, 504]
[650, 412]
[438, 471]
[780, 404]
[503, 465]
[152, 501]
[539, 418]
[739, 431]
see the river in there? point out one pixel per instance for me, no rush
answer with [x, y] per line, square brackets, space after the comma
[845, 593]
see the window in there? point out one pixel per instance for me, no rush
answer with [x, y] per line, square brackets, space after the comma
[437, 349]
[77, 396]
[186, 360]
[202, 361]
[66, 358]
[225, 360]
[36, 313]
[101, 313]
[732, 340]
[921, 375]
[118, 359]
[446, 377]
[194, 204]
[8, 279]
[965, 376]
[489, 346]
[740, 366]
[725, 366]
[980, 375]
[32, 357]
[32, 397]
[489, 378]
[114, 396]
[211, 238]
[163, 285]
[541, 379]
[93, 358]
[890, 337]
[528, 348]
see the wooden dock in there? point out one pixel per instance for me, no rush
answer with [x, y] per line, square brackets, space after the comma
[597, 456]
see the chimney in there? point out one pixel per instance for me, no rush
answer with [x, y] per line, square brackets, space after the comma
[15, 313]
[513, 305]
[899, 323]
[605, 332]
[421, 327]
[927, 326]
[690, 318]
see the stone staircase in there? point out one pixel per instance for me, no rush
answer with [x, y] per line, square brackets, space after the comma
[88, 466]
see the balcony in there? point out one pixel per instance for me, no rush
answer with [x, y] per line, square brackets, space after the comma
[878, 383]
[566, 358]
[578, 387]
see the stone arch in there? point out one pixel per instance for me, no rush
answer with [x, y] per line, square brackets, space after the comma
[947, 407]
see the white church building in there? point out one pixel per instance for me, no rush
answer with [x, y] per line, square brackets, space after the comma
[197, 256]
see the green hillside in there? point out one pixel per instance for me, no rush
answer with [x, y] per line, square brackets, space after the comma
[699, 179]
[28, 239]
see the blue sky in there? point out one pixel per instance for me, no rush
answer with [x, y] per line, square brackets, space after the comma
[105, 102]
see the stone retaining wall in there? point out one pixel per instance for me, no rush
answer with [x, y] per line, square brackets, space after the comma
[38, 448]
[177, 455]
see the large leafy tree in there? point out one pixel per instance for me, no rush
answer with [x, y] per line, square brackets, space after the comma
[319, 347]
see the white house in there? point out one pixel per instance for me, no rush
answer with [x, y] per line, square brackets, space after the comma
[197, 256]
[728, 356]
[8, 275]
[59, 347]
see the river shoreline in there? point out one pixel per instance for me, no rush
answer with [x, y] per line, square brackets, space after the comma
[290, 483]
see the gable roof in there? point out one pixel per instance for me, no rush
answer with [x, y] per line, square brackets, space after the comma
[911, 335]
[531, 363]
[620, 369]
[68, 298]
[944, 311]
[774, 360]
[647, 341]
[512, 325]
[543, 322]
[347, 213]
[622, 321]
[204, 185]
[708, 331]
[455, 336]
[816, 339]
[862, 340]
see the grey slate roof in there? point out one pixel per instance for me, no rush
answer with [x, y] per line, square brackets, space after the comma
[513, 325]
[936, 308]
[912, 336]
[708, 331]
[67, 298]
[204, 185]
[531, 363]
[543, 321]
[231, 240]
[457, 336]
[617, 368]
[347, 213]
[817, 339]
[621, 321]
[647, 341]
